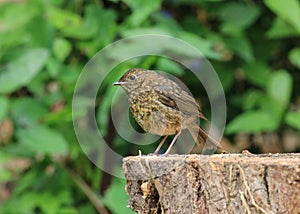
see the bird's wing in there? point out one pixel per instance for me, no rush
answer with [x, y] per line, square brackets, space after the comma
[180, 101]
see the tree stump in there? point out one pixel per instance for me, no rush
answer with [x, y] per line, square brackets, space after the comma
[222, 183]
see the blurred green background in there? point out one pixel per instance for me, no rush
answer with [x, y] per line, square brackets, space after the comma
[253, 45]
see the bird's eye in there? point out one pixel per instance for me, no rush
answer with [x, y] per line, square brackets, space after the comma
[132, 77]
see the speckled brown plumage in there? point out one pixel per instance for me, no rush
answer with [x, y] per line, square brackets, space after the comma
[161, 107]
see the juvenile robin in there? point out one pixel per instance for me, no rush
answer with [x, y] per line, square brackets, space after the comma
[161, 107]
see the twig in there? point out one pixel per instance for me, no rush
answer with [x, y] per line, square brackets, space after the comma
[94, 199]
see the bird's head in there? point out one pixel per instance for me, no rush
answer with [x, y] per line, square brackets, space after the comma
[134, 78]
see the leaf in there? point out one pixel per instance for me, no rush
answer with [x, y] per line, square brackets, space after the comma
[268, 104]
[5, 173]
[41, 139]
[231, 29]
[103, 21]
[279, 87]
[61, 48]
[22, 70]
[170, 66]
[280, 29]
[116, 197]
[289, 10]
[225, 73]
[141, 10]
[3, 107]
[241, 46]
[251, 99]
[203, 45]
[40, 32]
[294, 57]
[10, 21]
[257, 72]
[27, 111]
[293, 119]
[53, 67]
[70, 24]
[239, 14]
[48, 202]
[252, 122]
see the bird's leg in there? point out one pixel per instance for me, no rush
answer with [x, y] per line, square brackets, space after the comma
[160, 144]
[172, 143]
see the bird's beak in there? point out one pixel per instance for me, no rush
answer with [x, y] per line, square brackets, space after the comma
[118, 83]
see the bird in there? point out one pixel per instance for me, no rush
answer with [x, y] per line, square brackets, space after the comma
[161, 107]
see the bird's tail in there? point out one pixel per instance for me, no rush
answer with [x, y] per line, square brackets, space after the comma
[201, 137]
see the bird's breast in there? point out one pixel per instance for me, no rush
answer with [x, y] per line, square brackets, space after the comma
[153, 116]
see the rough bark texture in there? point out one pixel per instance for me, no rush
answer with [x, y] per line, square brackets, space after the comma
[225, 183]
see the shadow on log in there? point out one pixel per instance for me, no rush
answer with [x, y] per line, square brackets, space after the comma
[223, 183]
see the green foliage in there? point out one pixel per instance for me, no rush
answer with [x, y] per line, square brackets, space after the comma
[293, 119]
[294, 57]
[237, 15]
[115, 199]
[41, 139]
[44, 45]
[4, 104]
[269, 106]
[22, 70]
[288, 10]
[252, 122]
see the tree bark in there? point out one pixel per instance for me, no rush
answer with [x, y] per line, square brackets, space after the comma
[223, 183]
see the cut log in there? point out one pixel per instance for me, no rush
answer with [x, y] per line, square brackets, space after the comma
[223, 183]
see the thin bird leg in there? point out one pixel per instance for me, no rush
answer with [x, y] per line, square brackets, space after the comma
[160, 144]
[173, 142]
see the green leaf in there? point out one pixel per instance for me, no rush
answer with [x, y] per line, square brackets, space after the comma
[39, 32]
[61, 48]
[41, 139]
[63, 116]
[5, 174]
[293, 119]
[268, 104]
[147, 62]
[241, 46]
[48, 202]
[231, 29]
[289, 10]
[3, 107]
[279, 87]
[280, 29]
[54, 68]
[257, 72]
[252, 99]
[26, 111]
[10, 21]
[252, 122]
[294, 57]
[203, 45]
[14, 30]
[238, 14]
[225, 73]
[22, 70]
[141, 10]
[116, 197]
[104, 23]
[69, 23]
[102, 27]
[170, 66]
